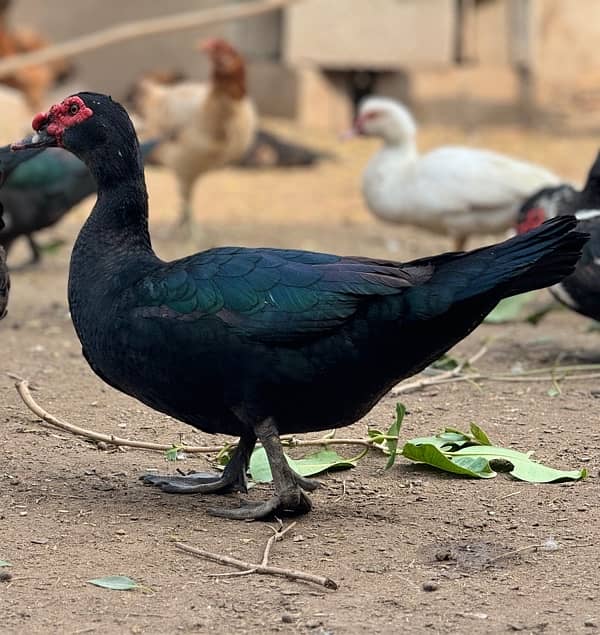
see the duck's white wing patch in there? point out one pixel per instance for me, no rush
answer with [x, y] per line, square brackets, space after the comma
[586, 214]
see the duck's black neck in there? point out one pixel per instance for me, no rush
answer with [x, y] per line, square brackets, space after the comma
[120, 216]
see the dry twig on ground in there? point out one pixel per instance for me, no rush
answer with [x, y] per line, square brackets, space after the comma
[446, 376]
[249, 568]
[22, 386]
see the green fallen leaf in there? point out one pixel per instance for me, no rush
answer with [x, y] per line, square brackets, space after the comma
[524, 467]
[316, 463]
[539, 314]
[3, 563]
[450, 439]
[445, 362]
[479, 435]
[171, 453]
[52, 246]
[510, 309]
[473, 455]
[115, 583]
[394, 432]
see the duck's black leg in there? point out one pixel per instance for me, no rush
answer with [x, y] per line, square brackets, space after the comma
[232, 479]
[289, 498]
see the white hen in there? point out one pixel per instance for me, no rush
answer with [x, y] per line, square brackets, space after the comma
[452, 190]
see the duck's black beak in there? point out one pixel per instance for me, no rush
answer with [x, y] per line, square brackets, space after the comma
[39, 139]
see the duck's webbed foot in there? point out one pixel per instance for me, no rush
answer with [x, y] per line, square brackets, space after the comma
[233, 478]
[191, 483]
[289, 498]
[290, 503]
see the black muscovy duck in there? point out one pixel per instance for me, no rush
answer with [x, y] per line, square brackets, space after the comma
[261, 342]
[581, 290]
[38, 191]
[8, 162]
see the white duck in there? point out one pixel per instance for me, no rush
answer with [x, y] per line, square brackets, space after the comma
[452, 190]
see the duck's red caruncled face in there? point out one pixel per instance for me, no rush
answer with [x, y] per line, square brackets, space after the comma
[534, 218]
[68, 113]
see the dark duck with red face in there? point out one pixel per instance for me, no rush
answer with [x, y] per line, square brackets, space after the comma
[581, 290]
[261, 342]
[38, 188]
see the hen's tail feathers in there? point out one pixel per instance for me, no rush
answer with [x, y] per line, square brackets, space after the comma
[534, 260]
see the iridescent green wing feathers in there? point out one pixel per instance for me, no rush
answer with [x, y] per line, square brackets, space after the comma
[269, 294]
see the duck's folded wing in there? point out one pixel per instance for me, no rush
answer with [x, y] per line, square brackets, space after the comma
[279, 296]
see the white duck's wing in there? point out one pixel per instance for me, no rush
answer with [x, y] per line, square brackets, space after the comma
[464, 190]
[461, 179]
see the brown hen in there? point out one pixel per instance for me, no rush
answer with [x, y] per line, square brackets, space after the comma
[205, 125]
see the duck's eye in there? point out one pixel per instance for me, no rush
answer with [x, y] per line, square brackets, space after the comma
[73, 109]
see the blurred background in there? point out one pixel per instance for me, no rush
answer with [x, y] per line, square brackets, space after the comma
[515, 76]
[468, 62]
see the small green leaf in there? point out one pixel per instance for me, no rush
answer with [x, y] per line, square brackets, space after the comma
[437, 442]
[510, 309]
[394, 433]
[535, 317]
[4, 563]
[450, 439]
[224, 455]
[477, 464]
[445, 362]
[115, 583]
[553, 392]
[52, 246]
[479, 435]
[316, 463]
[171, 453]
[450, 436]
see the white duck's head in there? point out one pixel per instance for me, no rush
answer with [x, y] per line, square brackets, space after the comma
[385, 118]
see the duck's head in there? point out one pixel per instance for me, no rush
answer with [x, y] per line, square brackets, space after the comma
[80, 123]
[385, 118]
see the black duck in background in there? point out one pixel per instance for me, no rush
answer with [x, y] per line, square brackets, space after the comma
[261, 342]
[39, 189]
[8, 162]
[581, 290]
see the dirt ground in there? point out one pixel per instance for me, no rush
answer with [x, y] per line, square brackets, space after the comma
[70, 512]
